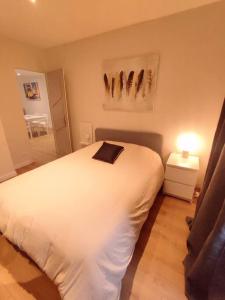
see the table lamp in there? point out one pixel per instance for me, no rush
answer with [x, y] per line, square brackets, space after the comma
[187, 143]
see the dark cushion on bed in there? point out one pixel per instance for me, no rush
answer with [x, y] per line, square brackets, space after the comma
[108, 152]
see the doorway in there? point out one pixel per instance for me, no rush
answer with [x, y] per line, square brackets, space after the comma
[37, 115]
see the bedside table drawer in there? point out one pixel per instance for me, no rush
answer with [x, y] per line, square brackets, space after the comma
[177, 189]
[188, 177]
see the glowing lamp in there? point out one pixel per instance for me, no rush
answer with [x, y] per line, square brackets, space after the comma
[188, 143]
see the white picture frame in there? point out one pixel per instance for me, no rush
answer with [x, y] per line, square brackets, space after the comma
[130, 83]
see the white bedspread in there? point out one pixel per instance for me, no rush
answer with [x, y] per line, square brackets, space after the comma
[79, 218]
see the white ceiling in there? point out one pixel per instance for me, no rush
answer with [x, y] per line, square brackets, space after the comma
[48, 23]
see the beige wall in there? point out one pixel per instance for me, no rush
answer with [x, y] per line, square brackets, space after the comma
[14, 55]
[6, 164]
[191, 76]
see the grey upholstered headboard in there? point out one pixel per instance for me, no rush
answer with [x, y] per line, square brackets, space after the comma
[149, 139]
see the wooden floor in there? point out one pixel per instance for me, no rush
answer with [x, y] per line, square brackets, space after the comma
[20, 279]
[155, 272]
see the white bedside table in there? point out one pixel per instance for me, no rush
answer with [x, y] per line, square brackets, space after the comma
[181, 176]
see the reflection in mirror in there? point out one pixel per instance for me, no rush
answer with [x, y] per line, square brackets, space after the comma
[39, 117]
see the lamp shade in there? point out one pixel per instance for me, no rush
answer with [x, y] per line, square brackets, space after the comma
[188, 142]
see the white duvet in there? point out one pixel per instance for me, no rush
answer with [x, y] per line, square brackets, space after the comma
[79, 218]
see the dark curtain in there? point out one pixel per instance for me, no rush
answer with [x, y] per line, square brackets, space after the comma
[217, 146]
[205, 262]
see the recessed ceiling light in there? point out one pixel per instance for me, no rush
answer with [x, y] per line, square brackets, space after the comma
[33, 1]
[18, 74]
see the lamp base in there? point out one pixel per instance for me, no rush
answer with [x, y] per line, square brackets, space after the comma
[185, 154]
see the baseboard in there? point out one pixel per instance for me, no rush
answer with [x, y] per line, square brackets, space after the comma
[8, 176]
[23, 164]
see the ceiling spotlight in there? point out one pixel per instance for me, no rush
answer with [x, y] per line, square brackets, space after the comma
[18, 74]
[33, 1]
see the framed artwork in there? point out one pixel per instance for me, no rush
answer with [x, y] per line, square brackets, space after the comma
[31, 90]
[130, 83]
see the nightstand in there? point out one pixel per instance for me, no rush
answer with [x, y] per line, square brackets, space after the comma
[181, 176]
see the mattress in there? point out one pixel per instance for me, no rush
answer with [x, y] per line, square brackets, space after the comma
[79, 218]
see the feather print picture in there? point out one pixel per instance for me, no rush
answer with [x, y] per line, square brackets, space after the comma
[130, 83]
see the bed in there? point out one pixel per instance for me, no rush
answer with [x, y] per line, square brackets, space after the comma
[79, 218]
